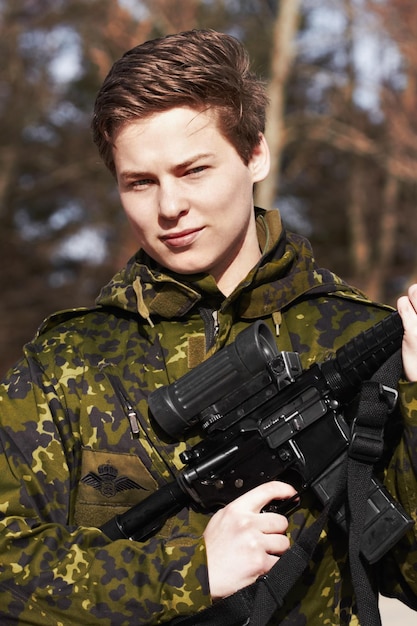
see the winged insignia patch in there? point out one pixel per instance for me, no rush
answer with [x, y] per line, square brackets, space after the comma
[107, 481]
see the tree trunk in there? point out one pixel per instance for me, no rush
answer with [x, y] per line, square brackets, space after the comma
[386, 241]
[360, 250]
[285, 29]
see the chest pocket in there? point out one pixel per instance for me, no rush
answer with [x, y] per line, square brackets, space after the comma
[118, 467]
[110, 483]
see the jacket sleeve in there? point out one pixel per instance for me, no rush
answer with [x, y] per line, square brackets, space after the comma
[53, 572]
[398, 571]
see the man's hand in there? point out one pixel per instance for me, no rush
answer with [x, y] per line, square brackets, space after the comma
[242, 543]
[407, 308]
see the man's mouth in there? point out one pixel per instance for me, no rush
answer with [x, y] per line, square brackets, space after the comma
[181, 239]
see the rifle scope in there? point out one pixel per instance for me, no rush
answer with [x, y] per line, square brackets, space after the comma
[179, 405]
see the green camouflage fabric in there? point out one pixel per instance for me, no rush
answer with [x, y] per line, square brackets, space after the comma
[78, 445]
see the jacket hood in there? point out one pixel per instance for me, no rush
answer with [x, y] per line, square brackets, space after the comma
[286, 272]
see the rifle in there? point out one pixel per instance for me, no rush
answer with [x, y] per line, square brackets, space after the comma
[264, 418]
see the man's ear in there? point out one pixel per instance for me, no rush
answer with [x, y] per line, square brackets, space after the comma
[260, 160]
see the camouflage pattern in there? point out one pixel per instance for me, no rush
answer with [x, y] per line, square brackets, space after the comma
[78, 445]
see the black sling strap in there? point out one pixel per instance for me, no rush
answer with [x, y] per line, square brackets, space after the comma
[366, 447]
[255, 605]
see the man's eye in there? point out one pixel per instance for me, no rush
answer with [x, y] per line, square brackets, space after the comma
[142, 182]
[197, 170]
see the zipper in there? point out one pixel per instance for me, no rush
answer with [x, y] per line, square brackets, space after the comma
[210, 318]
[160, 463]
[216, 324]
[128, 408]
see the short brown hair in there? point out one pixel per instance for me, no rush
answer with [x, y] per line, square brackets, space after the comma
[198, 68]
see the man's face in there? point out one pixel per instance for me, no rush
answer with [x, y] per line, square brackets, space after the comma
[188, 194]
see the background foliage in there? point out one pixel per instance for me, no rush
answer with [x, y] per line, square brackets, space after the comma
[342, 125]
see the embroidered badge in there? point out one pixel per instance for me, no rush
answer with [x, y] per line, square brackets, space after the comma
[107, 481]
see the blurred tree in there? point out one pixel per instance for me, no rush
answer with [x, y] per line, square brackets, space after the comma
[399, 105]
[282, 54]
[348, 174]
[60, 225]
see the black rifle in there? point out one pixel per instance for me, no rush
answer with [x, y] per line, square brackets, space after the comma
[264, 418]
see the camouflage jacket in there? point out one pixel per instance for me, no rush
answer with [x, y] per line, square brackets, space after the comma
[77, 444]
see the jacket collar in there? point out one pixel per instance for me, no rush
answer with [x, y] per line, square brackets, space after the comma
[286, 272]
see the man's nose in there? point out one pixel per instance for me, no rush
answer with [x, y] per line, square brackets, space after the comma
[172, 201]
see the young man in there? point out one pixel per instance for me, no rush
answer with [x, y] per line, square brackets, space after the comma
[179, 122]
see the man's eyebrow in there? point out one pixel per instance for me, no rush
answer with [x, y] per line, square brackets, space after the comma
[132, 174]
[192, 160]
